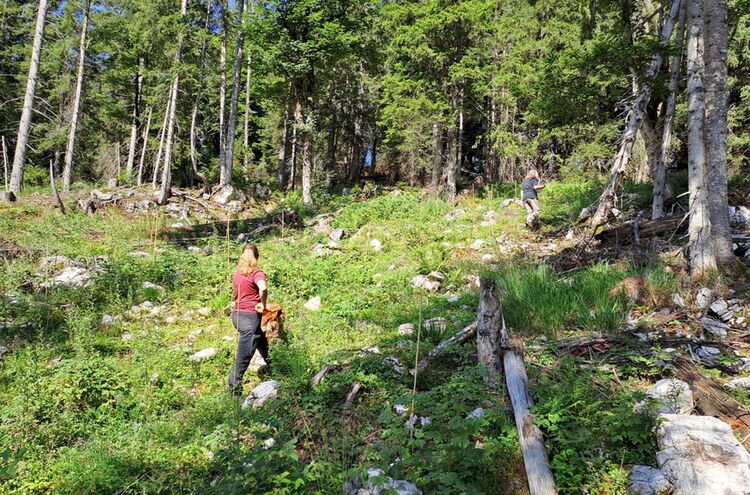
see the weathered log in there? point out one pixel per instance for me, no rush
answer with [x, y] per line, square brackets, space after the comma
[625, 233]
[458, 338]
[711, 400]
[355, 389]
[328, 368]
[489, 322]
[535, 460]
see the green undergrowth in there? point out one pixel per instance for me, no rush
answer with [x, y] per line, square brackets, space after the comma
[87, 408]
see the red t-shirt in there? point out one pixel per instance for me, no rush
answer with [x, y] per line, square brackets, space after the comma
[246, 293]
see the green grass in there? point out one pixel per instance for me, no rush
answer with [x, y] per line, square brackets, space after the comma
[84, 411]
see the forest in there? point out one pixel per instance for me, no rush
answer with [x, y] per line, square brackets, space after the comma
[510, 238]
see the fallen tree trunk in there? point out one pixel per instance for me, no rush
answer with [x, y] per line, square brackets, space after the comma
[354, 391]
[458, 338]
[535, 460]
[493, 337]
[711, 400]
[625, 233]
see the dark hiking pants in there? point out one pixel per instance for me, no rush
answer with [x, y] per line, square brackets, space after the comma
[251, 338]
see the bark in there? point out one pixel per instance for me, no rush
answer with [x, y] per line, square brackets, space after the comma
[716, 100]
[136, 118]
[451, 164]
[166, 178]
[162, 135]
[661, 189]
[196, 104]
[225, 178]
[68, 168]
[635, 118]
[24, 125]
[535, 460]
[489, 323]
[438, 140]
[5, 164]
[223, 83]
[144, 147]
[702, 257]
[307, 165]
[55, 194]
[293, 177]
[283, 151]
[246, 137]
[652, 142]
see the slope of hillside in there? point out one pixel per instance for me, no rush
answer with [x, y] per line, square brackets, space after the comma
[100, 394]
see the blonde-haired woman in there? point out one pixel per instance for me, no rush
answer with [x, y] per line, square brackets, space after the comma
[532, 184]
[250, 292]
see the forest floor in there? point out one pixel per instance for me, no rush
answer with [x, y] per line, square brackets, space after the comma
[100, 394]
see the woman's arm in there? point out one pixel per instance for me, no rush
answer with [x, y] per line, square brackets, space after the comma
[263, 292]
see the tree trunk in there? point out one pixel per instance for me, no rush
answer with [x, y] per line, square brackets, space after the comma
[139, 178]
[223, 82]
[438, 140]
[225, 178]
[162, 135]
[136, 119]
[293, 177]
[68, 168]
[55, 194]
[645, 171]
[702, 258]
[246, 137]
[635, 117]
[24, 125]
[307, 165]
[166, 178]
[451, 164]
[489, 322]
[196, 104]
[283, 150]
[661, 188]
[716, 100]
[5, 164]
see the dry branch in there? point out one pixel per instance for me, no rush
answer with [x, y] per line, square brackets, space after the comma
[458, 338]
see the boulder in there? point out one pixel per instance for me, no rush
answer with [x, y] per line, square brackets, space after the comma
[107, 320]
[477, 245]
[204, 355]
[152, 286]
[739, 216]
[430, 282]
[112, 183]
[454, 215]
[672, 396]
[645, 480]
[704, 297]
[714, 327]
[723, 310]
[376, 245]
[101, 196]
[406, 329]
[226, 194]
[261, 394]
[71, 276]
[313, 304]
[194, 249]
[475, 414]
[742, 382]
[377, 483]
[337, 235]
[699, 455]
[262, 191]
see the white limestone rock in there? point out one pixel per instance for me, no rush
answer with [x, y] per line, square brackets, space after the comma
[699, 455]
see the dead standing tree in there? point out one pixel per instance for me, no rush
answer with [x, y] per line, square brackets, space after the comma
[635, 118]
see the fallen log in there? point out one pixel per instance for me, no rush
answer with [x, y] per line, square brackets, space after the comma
[625, 233]
[328, 368]
[355, 389]
[458, 338]
[711, 400]
[494, 333]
